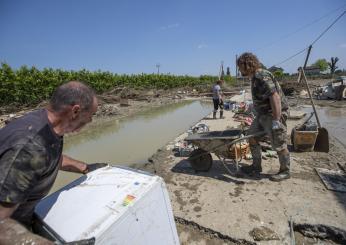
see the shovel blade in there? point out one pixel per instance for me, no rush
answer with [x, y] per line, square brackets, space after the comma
[322, 141]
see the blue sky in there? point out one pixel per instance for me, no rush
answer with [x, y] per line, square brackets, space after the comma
[185, 36]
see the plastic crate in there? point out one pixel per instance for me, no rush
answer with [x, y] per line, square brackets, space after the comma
[304, 140]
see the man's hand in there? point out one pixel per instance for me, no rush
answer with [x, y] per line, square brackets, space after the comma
[276, 124]
[93, 166]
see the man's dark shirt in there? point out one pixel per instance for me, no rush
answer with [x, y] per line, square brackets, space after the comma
[30, 153]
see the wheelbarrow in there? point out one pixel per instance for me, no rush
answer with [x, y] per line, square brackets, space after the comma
[219, 143]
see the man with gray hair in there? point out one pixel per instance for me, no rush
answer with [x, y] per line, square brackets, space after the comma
[31, 155]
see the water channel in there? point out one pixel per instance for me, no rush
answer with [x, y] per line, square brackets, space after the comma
[132, 139]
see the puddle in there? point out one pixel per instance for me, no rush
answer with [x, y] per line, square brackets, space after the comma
[333, 119]
[132, 139]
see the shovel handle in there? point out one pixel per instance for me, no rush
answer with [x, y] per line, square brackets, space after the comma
[312, 101]
[312, 113]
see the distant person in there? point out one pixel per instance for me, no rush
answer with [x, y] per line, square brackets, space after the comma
[217, 98]
[31, 156]
[271, 109]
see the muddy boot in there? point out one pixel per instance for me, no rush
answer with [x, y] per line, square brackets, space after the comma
[284, 172]
[221, 115]
[214, 115]
[256, 167]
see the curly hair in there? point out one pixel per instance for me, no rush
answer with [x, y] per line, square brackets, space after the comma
[249, 62]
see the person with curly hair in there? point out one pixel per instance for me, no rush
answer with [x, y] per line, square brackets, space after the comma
[271, 110]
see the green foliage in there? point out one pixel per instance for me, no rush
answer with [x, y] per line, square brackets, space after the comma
[279, 74]
[229, 80]
[30, 85]
[322, 64]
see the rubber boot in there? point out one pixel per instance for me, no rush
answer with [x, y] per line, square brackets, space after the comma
[214, 115]
[284, 172]
[256, 168]
[221, 115]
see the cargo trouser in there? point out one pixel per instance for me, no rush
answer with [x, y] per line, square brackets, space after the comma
[278, 141]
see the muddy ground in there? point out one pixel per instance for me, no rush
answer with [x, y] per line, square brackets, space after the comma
[217, 208]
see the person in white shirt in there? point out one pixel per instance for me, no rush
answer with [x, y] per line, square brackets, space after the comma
[217, 98]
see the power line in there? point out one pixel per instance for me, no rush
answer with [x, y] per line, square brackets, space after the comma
[300, 29]
[291, 57]
[327, 28]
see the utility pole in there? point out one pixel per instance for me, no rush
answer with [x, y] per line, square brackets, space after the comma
[222, 73]
[158, 68]
[236, 67]
[305, 63]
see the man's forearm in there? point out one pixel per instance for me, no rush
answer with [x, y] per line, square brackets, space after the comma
[275, 103]
[73, 165]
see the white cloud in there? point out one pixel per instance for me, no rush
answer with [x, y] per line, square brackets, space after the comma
[343, 45]
[202, 45]
[171, 26]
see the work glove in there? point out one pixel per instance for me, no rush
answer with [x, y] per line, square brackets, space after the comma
[90, 241]
[276, 124]
[93, 166]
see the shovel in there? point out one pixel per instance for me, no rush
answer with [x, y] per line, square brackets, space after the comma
[322, 140]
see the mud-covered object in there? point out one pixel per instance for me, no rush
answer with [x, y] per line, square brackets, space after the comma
[263, 234]
[30, 153]
[322, 232]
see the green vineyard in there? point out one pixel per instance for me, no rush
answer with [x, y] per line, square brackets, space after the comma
[30, 85]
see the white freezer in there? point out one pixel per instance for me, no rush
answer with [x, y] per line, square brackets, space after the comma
[113, 204]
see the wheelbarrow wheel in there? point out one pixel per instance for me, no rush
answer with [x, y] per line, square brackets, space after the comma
[200, 160]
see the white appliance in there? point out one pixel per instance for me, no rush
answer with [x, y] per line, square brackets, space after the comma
[115, 205]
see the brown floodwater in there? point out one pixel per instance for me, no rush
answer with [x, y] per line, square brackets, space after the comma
[131, 140]
[333, 119]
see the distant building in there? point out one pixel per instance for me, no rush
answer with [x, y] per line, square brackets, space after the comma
[312, 70]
